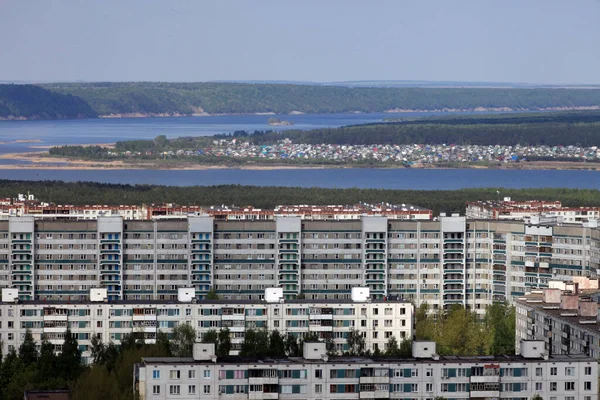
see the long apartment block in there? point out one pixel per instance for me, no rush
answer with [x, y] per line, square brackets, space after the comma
[452, 260]
[375, 320]
[565, 320]
[424, 376]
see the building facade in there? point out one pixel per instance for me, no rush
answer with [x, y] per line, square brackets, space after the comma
[376, 320]
[449, 261]
[508, 209]
[316, 376]
[566, 322]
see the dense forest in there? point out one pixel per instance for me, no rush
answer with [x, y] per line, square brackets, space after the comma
[241, 98]
[553, 129]
[34, 102]
[82, 193]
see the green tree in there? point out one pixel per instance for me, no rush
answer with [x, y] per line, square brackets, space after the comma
[276, 344]
[163, 342]
[211, 337]
[212, 294]
[292, 349]
[69, 360]
[405, 349]
[183, 339]
[111, 355]
[356, 343]
[500, 322]
[47, 366]
[537, 397]
[96, 383]
[392, 348]
[224, 347]
[161, 141]
[98, 350]
[330, 347]
[27, 351]
[11, 367]
[256, 343]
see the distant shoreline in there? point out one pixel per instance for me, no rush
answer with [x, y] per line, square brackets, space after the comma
[41, 160]
[292, 113]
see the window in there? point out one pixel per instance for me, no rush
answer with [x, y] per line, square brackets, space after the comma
[588, 370]
[206, 389]
[538, 386]
[174, 389]
[538, 371]
[207, 374]
[192, 389]
[553, 371]
[192, 374]
[429, 387]
[587, 385]
[569, 371]
[156, 374]
[319, 373]
[174, 374]
[318, 388]
[553, 386]
[569, 385]
[155, 389]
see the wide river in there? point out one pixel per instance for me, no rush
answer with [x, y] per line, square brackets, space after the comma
[20, 136]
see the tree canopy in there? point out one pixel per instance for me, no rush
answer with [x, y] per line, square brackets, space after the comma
[242, 98]
[82, 193]
[34, 102]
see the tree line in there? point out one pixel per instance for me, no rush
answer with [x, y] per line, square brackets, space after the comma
[459, 331]
[82, 193]
[242, 98]
[34, 102]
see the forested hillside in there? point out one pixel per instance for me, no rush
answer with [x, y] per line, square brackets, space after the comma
[552, 129]
[268, 197]
[34, 102]
[238, 98]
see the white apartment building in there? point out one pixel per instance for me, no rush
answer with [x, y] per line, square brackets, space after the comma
[567, 322]
[376, 320]
[508, 209]
[453, 260]
[316, 376]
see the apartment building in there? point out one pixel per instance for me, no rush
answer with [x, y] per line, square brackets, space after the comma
[449, 261]
[376, 320]
[508, 209]
[567, 322]
[316, 376]
[28, 206]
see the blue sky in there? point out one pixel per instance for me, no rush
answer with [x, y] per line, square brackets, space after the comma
[535, 41]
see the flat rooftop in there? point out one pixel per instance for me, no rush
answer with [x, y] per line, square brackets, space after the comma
[371, 360]
[535, 301]
[203, 302]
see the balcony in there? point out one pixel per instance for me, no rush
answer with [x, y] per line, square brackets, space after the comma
[233, 317]
[262, 395]
[485, 394]
[375, 394]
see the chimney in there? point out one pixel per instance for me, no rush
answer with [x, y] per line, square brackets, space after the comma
[569, 301]
[552, 296]
[588, 307]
